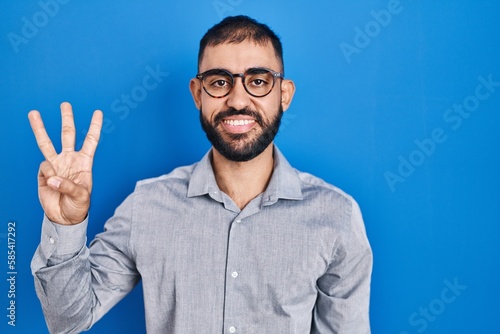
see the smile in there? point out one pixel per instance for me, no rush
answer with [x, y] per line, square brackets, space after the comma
[238, 122]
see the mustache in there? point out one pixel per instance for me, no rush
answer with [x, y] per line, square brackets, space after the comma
[234, 112]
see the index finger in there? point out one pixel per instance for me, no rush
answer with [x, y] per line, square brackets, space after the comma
[93, 135]
[41, 136]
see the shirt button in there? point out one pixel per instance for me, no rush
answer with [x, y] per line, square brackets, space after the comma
[51, 240]
[234, 274]
[238, 221]
[232, 329]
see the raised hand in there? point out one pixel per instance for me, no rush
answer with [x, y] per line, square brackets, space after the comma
[65, 179]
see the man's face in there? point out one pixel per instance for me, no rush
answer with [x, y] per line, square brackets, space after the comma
[241, 126]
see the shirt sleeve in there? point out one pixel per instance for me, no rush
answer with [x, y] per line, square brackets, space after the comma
[76, 284]
[343, 299]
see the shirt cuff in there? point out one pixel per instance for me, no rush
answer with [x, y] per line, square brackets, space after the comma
[62, 240]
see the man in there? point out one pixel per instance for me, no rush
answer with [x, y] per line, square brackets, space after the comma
[238, 243]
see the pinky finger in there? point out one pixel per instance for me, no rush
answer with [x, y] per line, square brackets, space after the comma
[45, 171]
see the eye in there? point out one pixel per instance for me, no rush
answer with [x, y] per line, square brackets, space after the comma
[259, 79]
[258, 82]
[219, 83]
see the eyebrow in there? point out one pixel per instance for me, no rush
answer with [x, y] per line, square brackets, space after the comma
[256, 68]
[217, 71]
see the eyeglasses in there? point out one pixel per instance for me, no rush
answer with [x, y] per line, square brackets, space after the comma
[257, 82]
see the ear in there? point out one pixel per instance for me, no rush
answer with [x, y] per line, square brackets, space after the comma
[195, 88]
[287, 91]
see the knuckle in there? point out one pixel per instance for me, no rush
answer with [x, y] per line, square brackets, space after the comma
[45, 167]
[68, 129]
[91, 138]
[45, 143]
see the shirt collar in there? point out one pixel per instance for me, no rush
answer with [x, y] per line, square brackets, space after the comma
[284, 183]
[202, 180]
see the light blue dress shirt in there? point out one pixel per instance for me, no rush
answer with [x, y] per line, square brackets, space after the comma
[296, 259]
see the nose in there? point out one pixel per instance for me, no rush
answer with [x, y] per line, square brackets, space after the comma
[238, 98]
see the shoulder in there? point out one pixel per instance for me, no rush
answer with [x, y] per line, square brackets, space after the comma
[315, 187]
[329, 202]
[176, 179]
[337, 209]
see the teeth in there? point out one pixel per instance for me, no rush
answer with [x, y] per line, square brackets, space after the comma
[238, 122]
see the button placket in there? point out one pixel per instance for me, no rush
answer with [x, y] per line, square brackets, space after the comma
[232, 303]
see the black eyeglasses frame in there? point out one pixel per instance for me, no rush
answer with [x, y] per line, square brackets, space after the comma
[275, 75]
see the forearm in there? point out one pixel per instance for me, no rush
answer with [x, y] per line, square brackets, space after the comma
[348, 311]
[63, 279]
[343, 299]
[78, 285]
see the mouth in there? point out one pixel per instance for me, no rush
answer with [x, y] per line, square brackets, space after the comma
[238, 124]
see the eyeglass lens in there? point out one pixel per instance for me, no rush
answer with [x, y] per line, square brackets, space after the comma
[257, 82]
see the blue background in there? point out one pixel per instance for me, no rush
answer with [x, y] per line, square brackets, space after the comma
[367, 93]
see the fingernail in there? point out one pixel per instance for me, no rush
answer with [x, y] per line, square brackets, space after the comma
[54, 182]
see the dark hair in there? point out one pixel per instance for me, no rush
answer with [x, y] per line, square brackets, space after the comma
[236, 29]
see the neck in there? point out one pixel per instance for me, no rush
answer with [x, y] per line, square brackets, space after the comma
[243, 181]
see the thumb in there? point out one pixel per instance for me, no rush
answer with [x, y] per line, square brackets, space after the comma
[54, 182]
[67, 187]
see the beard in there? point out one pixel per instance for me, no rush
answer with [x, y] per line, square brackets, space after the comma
[241, 146]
